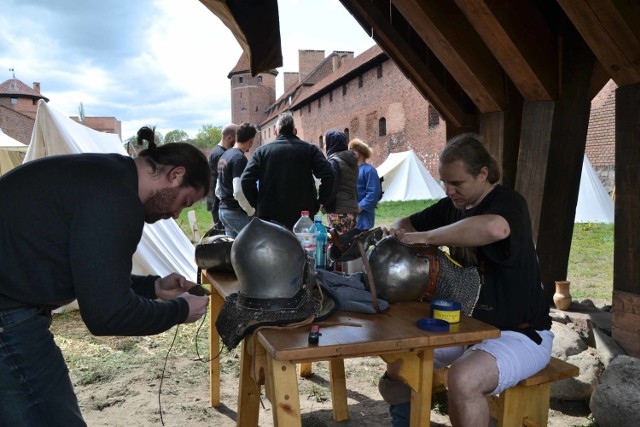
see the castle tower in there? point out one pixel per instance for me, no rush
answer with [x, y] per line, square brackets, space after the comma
[251, 96]
[21, 98]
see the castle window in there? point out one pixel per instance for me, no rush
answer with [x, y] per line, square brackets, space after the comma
[321, 142]
[319, 103]
[239, 79]
[434, 117]
[240, 95]
[309, 108]
[259, 79]
[256, 108]
[269, 132]
[379, 71]
[331, 96]
[14, 101]
[346, 132]
[382, 126]
[360, 80]
[344, 89]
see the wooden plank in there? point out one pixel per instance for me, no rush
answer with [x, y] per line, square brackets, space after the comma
[338, 390]
[409, 62]
[448, 34]
[555, 370]
[564, 162]
[285, 401]
[610, 28]
[535, 140]
[626, 259]
[520, 40]
[421, 398]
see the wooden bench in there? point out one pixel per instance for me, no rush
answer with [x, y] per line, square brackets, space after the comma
[526, 404]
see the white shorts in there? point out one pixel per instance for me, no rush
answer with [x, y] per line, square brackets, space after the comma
[517, 356]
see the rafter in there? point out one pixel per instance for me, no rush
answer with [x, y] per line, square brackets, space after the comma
[521, 42]
[449, 36]
[410, 63]
[607, 27]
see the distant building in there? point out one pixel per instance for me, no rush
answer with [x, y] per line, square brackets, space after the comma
[19, 106]
[368, 97]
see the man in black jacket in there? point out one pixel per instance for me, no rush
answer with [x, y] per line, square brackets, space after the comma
[279, 178]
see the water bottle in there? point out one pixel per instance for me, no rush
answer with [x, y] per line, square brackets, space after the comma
[321, 243]
[306, 231]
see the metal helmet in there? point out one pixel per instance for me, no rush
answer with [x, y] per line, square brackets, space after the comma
[277, 283]
[399, 272]
[269, 261]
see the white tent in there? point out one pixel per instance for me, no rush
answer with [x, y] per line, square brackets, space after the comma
[164, 248]
[9, 149]
[406, 178]
[594, 203]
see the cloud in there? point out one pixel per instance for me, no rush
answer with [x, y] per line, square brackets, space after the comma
[150, 62]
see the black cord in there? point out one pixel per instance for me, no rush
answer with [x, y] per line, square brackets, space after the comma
[166, 358]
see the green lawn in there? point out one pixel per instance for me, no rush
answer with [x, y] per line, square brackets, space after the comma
[590, 259]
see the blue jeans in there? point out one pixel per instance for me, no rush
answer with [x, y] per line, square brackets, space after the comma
[234, 220]
[35, 389]
[400, 414]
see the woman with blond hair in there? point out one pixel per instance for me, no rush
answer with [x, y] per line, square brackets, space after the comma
[368, 186]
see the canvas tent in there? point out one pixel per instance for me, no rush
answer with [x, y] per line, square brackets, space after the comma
[406, 178]
[594, 203]
[9, 149]
[164, 248]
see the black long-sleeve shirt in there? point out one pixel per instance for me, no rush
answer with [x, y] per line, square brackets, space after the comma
[279, 180]
[69, 226]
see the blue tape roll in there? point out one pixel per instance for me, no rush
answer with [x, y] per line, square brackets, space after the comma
[433, 325]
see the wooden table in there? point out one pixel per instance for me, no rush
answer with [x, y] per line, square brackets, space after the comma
[269, 356]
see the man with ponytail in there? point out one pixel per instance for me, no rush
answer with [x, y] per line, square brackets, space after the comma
[69, 226]
[487, 226]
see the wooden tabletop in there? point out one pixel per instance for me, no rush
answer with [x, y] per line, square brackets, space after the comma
[349, 334]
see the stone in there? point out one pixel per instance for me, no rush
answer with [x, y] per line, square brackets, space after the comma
[615, 401]
[580, 387]
[566, 342]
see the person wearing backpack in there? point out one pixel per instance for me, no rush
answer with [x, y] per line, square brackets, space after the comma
[342, 206]
[368, 186]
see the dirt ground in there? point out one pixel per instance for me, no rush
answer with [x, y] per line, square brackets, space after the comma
[124, 382]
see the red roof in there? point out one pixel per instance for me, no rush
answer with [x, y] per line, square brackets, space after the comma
[15, 88]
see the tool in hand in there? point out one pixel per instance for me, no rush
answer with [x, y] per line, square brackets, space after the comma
[199, 290]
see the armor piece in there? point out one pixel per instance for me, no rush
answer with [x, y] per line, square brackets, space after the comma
[400, 274]
[277, 283]
[403, 272]
[269, 261]
[214, 253]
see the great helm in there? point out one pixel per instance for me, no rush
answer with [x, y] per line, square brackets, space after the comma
[276, 282]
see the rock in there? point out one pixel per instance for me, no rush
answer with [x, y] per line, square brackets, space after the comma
[608, 349]
[567, 341]
[580, 387]
[616, 399]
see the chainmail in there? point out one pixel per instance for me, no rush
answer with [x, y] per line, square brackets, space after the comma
[461, 284]
[236, 320]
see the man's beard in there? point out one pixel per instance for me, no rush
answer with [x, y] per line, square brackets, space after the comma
[160, 205]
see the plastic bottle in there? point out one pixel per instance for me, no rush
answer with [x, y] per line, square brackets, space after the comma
[305, 230]
[321, 243]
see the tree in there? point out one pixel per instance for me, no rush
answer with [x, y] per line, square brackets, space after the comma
[176, 135]
[208, 136]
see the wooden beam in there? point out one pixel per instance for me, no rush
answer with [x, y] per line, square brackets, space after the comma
[564, 162]
[612, 30]
[521, 42]
[447, 33]
[625, 328]
[416, 70]
[626, 255]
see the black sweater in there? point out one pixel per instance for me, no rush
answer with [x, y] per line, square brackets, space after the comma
[69, 226]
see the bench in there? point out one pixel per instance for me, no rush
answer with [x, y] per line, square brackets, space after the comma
[526, 404]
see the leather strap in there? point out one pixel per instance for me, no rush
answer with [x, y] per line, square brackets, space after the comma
[367, 270]
[431, 253]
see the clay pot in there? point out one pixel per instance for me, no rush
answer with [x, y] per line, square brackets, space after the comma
[562, 297]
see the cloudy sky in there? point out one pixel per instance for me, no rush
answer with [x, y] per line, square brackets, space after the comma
[151, 62]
